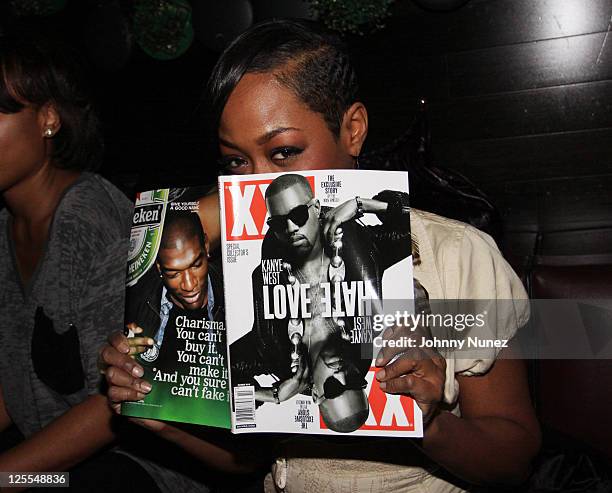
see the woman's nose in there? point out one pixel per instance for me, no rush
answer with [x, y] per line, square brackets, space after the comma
[264, 167]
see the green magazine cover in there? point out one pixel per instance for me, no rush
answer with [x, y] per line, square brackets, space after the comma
[175, 295]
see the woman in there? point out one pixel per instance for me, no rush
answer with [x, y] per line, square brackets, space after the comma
[63, 245]
[284, 97]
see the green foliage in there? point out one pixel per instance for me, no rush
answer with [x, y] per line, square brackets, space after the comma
[163, 28]
[22, 8]
[352, 16]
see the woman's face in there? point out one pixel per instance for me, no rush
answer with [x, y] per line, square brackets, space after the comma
[265, 128]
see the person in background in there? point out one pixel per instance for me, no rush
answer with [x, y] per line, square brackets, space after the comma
[64, 237]
[284, 98]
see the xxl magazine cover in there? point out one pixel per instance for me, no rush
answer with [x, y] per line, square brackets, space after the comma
[309, 259]
[175, 295]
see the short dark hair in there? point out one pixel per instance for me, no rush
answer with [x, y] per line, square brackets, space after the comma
[286, 181]
[36, 70]
[306, 58]
[184, 224]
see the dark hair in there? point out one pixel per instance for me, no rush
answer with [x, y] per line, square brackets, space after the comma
[309, 60]
[286, 181]
[36, 70]
[182, 224]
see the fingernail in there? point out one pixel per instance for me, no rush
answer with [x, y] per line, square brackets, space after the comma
[150, 342]
[146, 387]
[383, 385]
[137, 371]
[379, 361]
[140, 396]
[124, 348]
[380, 374]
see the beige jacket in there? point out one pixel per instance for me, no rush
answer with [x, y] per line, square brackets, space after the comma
[456, 261]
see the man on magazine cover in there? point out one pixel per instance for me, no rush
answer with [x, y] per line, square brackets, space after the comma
[184, 283]
[319, 246]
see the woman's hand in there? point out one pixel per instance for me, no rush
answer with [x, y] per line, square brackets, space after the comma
[414, 371]
[122, 373]
[138, 345]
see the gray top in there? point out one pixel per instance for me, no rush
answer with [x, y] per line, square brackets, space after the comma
[52, 328]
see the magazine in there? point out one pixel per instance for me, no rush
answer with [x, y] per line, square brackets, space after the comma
[175, 295]
[279, 334]
[308, 260]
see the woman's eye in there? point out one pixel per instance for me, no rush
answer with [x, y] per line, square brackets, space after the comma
[283, 153]
[231, 163]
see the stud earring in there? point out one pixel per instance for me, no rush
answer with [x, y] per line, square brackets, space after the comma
[49, 132]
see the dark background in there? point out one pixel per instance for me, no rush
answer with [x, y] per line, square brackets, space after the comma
[519, 100]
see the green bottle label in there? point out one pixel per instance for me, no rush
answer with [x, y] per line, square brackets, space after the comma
[147, 227]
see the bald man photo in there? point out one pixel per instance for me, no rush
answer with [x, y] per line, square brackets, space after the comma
[183, 284]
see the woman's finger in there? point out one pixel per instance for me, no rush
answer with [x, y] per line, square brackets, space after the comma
[420, 389]
[116, 377]
[389, 354]
[123, 394]
[396, 340]
[138, 350]
[111, 357]
[400, 367]
[119, 342]
[140, 341]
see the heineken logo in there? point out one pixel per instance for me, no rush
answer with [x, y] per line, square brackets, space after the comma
[150, 354]
[147, 226]
[147, 214]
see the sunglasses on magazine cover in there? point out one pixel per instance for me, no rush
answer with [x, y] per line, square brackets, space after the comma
[333, 388]
[298, 216]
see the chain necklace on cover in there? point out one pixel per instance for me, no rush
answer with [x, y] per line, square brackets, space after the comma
[335, 275]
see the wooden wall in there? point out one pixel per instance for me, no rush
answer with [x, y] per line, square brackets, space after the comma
[520, 101]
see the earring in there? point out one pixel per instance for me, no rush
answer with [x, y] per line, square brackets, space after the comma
[357, 162]
[49, 132]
